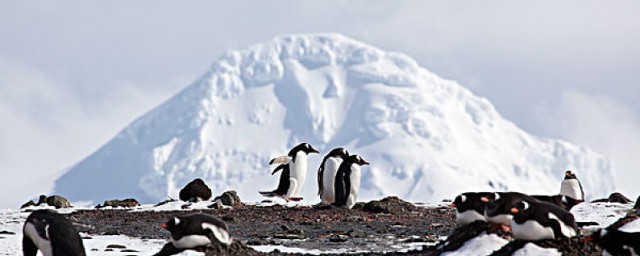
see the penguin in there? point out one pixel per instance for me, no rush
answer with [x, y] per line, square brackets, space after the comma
[621, 237]
[347, 183]
[327, 174]
[499, 204]
[195, 191]
[533, 221]
[469, 207]
[572, 187]
[195, 232]
[563, 201]
[294, 172]
[52, 234]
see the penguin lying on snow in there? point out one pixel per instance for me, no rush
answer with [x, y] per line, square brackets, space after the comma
[620, 238]
[499, 204]
[294, 172]
[571, 187]
[347, 183]
[194, 232]
[534, 221]
[469, 207]
[563, 201]
[52, 234]
[327, 174]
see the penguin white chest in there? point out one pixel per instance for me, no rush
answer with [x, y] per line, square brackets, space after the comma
[571, 188]
[531, 230]
[298, 171]
[43, 243]
[328, 179]
[468, 216]
[355, 185]
[504, 219]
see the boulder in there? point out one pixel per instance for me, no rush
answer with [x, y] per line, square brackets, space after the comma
[391, 204]
[229, 198]
[195, 191]
[58, 202]
[126, 203]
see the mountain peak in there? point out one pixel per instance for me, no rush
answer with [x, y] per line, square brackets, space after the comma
[427, 138]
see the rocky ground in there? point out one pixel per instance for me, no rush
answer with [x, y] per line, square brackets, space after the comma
[378, 226]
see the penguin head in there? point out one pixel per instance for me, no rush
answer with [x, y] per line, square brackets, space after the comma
[522, 208]
[304, 147]
[339, 152]
[459, 201]
[356, 159]
[173, 225]
[569, 175]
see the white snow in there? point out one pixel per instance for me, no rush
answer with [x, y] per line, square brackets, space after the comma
[427, 138]
[481, 245]
[604, 214]
[531, 249]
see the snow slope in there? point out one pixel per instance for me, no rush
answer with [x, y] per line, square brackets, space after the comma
[427, 138]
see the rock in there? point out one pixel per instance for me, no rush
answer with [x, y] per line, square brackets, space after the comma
[116, 246]
[236, 248]
[126, 203]
[4, 232]
[338, 238]
[614, 198]
[216, 205]
[195, 191]
[27, 204]
[392, 204]
[229, 198]
[619, 198]
[58, 202]
[356, 233]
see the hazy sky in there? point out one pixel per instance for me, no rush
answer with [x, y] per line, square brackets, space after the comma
[73, 73]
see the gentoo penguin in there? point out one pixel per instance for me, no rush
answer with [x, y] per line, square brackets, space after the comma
[51, 233]
[563, 201]
[499, 204]
[571, 187]
[194, 232]
[621, 237]
[327, 174]
[534, 221]
[195, 191]
[294, 172]
[469, 207]
[347, 183]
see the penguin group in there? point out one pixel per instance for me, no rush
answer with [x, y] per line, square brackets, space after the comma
[528, 217]
[338, 176]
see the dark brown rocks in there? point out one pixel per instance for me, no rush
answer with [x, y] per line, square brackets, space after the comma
[391, 204]
[195, 191]
[229, 198]
[55, 201]
[126, 203]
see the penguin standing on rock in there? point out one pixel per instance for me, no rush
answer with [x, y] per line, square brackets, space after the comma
[52, 234]
[469, 207]
[347, 183]
[533, 221]
[294, 172]
[571, 187]
[194, 232]
[327, 174]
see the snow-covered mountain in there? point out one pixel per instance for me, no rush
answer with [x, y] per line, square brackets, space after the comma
[427, 138]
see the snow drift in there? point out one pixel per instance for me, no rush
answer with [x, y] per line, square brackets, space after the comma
[427, 138]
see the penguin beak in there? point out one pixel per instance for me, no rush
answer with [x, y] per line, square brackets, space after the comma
[164, 225]
[514, 210]
[365, 163]
[484, 199]
[313, 150]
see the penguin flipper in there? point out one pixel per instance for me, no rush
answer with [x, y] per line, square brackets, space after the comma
[168, 249]
[340, 195]
[281, 160]
[267, 193]
[320, 179]
[28, 247]
[277, 169]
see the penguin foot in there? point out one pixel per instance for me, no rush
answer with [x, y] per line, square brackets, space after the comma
[295, 199]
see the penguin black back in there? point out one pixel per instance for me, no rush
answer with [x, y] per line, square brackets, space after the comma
[336, 152]
[565, 202]
[49, 231]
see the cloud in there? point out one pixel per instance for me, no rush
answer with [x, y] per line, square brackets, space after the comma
[605, 126]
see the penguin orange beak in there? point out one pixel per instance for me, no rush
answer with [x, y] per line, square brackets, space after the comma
[484, 199]
[514, 210]
[365, 163]
[164, 225]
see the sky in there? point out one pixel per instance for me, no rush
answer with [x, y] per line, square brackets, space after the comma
[74, 73]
